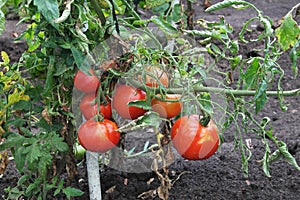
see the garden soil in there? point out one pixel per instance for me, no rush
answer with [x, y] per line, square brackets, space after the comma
[221, 176]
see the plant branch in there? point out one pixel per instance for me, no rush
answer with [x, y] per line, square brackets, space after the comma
[226, 91]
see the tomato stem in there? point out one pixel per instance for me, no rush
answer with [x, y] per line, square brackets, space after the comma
[204, 121]
[226, 91]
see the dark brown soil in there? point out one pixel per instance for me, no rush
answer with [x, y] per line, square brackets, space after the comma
[221, 176]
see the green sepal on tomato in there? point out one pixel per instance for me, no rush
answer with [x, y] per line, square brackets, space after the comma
[192, 140]
[122, 96]
[86, 83]
[89, 107]
[98, 136]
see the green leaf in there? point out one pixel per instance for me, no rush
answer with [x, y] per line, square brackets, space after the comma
[294, 55]
[274, 156]
[156, 3]
[13, 140]
[235, 61]
[2, 18]
[48, 8]
[288, 32]
[140, 104]
[20, 157]
[49, 84]
[286, 154]
[59, 187]
[72, 192]
[80, 60]
[205, 102]
[265, 165]
[166, 27]
[35, 186]
[23, 179]
[34, 154]
[149, 119]
[22, 105]
[251, 75]
[225, 4]
[17, 122]
[201, 72]
[261, 96]
[176, 13]
[161, 8]
[59, 144]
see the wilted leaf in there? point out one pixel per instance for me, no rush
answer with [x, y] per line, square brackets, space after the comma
[2, 21]
[251, 75]
[17, 96]
[288, 32]
[266, 166]
[4, 57]
[166, 27]
[149, 119]
[238, 4]
[261, 96]
[3, 161]
[287, 155]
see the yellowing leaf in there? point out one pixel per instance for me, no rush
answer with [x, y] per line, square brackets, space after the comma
[17, 96]
[288, 32]
[4, 58]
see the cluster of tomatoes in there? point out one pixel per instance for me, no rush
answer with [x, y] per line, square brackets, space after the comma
[99, 133]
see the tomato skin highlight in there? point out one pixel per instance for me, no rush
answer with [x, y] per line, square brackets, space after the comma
[167, 109]
[122, 96]
[86, 83]
[194, 141]
[98, 136]
[89, 108]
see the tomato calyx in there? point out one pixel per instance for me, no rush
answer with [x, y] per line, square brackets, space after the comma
[204, 121]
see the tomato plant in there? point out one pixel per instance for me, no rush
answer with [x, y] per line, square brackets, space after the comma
[86, 83]
[194, 141]
[169, 107]
[98, 136]
[125, 94]
[89, 107]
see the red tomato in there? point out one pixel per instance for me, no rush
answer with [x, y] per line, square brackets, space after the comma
[125, 94]
[98, 136]
[156, 74]
[167, 109]
[194, 141]
[86, 83]
[89, 107]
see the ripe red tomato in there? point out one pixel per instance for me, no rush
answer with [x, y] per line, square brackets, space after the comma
[86, 83]
[122, 96]
[156, 72]
[194, 141]
[89, 107]
[98, 136]
[167, 109]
